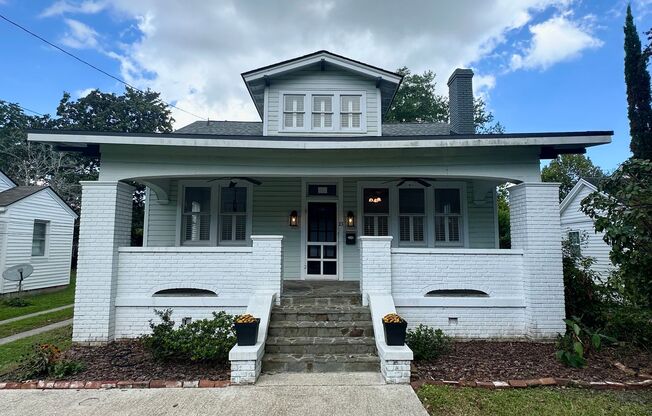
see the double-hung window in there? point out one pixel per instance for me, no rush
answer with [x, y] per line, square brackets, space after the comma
[39, 238]
[350, 112]
[233, 214]
[376, 211]
[293, 111]
[196, 221]
[322, 112]
[411, 209]
[574, 241]
[448, 217]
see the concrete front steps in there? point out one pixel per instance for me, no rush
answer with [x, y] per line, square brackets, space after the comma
[320, 331]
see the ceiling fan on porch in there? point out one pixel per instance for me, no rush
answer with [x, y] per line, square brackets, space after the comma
[421, 181]
[233, 180]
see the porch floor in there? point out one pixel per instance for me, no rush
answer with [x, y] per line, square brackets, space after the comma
[319, 288]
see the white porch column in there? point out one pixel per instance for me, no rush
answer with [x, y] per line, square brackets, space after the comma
[535, 228]
[105, 225]
[375, 266]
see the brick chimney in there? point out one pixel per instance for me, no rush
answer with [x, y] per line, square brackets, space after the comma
[460, 99]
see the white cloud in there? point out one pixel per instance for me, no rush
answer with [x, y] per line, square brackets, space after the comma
[556, 40]
[63, 6]
[79, 35]
[83, 92]
[194, 51]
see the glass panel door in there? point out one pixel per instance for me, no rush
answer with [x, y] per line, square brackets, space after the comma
[321, 252]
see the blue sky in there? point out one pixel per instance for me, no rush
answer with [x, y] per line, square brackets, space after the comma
[543, 65]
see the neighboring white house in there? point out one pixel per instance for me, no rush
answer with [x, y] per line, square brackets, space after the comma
[36, 227]
[579, 229]
[322, 189]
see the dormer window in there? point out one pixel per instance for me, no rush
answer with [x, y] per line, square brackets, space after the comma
[293, 111]
[350, 112]
[323, 111]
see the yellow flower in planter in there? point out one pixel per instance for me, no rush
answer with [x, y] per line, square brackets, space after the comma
[245, 319]
[392, 318]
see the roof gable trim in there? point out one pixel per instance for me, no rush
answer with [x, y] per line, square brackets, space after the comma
[318, 57]
[574, 192]
[7, 179]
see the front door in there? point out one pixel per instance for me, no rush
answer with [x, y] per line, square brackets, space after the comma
[321, 258]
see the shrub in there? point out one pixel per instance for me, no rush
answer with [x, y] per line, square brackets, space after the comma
[427, 343]
[629, 324]
[17, 302]
[203, 340]
[577, 342]
[46, 360]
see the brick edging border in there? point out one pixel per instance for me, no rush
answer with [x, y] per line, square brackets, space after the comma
[537, 382]
[107, 384]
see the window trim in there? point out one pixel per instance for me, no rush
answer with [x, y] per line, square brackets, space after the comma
[572, 246]
[464, 236]
[246, 214]
[307, 114]
[313, 112]
[429, 225]
[214, 239]
[46, 239]
[426, 221]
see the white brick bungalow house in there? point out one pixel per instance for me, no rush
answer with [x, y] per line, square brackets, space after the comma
[322, 189]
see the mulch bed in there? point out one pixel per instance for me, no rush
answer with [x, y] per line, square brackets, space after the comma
[129, 360]
[489, 361]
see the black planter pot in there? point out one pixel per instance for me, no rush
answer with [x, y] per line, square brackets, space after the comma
[395, 333]
[247, 333]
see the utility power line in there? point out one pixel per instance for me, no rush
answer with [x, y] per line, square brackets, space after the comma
[83, 61]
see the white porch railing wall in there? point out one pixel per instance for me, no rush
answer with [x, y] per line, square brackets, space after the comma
[233, 273]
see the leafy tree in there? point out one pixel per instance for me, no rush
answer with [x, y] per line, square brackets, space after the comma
[568, 169]
[504, 232]
[417, 101]
[35, 163]
[622, 210]
[637, 79]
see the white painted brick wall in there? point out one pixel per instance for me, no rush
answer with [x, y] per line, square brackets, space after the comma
[395, 371]
[114, 291]
[535, 228]
[375, 266]
[105, 225]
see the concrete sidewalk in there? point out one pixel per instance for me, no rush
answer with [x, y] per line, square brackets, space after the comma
[31, 315]
[35, 331]
[282, 394]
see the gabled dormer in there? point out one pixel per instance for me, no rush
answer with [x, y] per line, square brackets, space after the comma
[322, 94]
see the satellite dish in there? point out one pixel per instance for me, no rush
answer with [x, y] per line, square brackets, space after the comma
[18, 273]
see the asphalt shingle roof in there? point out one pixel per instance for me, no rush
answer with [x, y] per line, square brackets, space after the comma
[254, 128]
[17, 193]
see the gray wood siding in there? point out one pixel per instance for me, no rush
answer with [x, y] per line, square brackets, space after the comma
[162, 219]
[329, 80]
[573, 219]
[272, 203]
[52, 269]
[481, 218]
[4, 183]
[351, 255]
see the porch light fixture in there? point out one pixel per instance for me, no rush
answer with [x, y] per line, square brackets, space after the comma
[350, 219]
[294, 219]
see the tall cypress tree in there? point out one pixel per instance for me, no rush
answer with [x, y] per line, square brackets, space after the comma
[637, 79]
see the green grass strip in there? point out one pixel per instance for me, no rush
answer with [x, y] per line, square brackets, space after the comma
[444, 400]
[26, 324]
[40, 302]
[11, 354]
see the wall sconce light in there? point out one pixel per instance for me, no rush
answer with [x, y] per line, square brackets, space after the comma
[294, 219]
[350, 219]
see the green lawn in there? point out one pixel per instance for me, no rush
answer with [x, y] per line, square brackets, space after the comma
[34, 322]
[10, 354]
[444, 400]
[41, 302]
